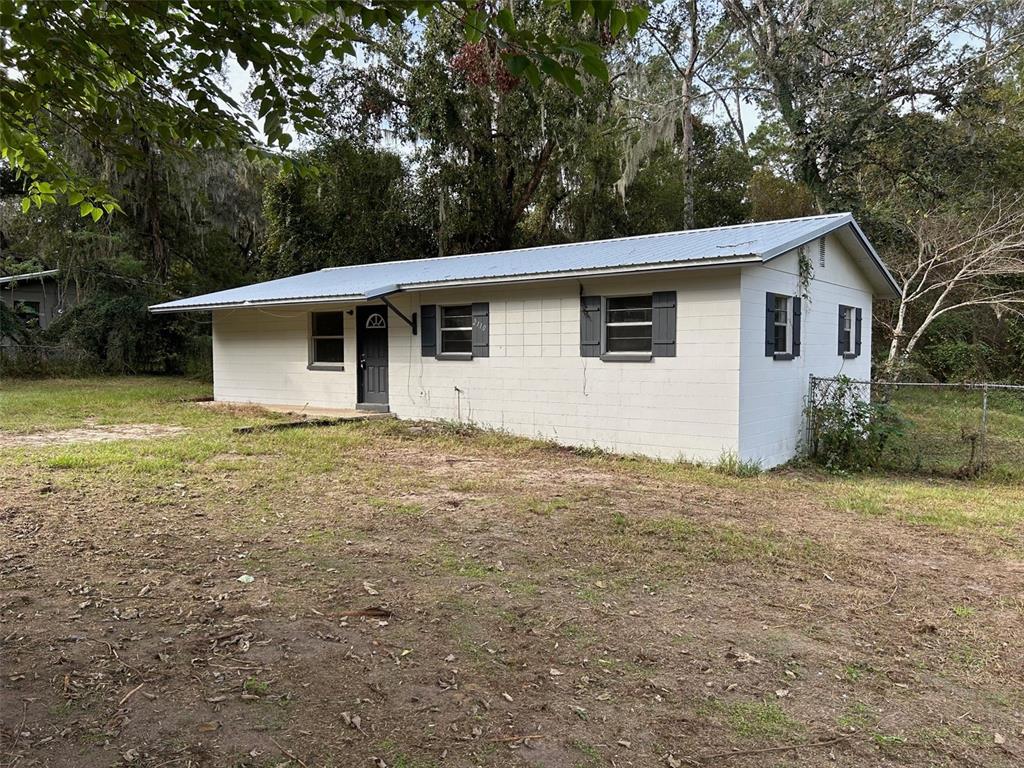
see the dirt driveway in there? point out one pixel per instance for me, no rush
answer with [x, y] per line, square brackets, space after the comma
[381, 594]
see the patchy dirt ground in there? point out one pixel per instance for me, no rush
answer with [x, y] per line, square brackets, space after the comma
[527, 606]
[90, 434]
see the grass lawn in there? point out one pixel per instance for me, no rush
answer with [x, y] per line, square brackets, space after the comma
[942, 431]
[428, 595]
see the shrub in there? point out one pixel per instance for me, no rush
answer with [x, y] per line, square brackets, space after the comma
[848, 430]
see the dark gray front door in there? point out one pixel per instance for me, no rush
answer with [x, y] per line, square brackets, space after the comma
[372, 352]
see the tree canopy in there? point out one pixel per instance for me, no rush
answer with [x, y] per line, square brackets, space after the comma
[125, 75]
[454, 126]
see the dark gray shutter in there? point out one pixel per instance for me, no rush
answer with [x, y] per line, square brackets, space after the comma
[590, 326]
[428, 333]
[860, 321]
[796, 326]
[769, 325]
[842, 336]
[481, 329]
[663, 328]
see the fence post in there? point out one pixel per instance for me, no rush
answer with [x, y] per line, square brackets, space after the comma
[812, 415]
[984, 426]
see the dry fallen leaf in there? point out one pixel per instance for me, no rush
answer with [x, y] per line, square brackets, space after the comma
[369, 587]
[555, 673]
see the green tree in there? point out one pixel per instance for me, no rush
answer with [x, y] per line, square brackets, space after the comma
[656, 201]
[133, 77]
[360, 206]
[838, 73]
[186, 227]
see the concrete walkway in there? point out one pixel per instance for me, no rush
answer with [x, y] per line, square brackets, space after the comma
[300, 412]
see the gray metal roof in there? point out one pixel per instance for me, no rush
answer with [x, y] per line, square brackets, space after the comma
[742, 243]
[28, 276]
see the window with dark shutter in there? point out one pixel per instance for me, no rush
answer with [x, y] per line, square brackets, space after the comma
[456, 331]
[481, 329]
[664, 344]
[782, 326]
[795, 336]
[428, 330]
[849, 331]
[628, 328]
[857, 328]
[628, 325]
[842, 343]
[590, 326]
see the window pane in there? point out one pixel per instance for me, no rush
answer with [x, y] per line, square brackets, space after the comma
[328, 324]
[628, 338]
[456, 341]
[328, 351]
[781, 310]
[638, 315]
[781, 338]
[457, 317]
[629, 309]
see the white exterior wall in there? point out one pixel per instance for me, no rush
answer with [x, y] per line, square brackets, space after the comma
[261, 356]
[536, 384]
[773, 392]
[719, 394]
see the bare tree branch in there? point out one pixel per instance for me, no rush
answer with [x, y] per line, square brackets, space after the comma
[961, 261]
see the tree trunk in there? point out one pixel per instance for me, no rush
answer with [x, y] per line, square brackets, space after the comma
[691, 68]
[687, 156]
[891, 364]
[152, 215]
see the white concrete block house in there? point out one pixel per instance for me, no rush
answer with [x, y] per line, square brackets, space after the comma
[684, 345]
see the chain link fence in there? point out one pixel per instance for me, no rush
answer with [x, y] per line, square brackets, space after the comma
[39, 359]
[959, 430]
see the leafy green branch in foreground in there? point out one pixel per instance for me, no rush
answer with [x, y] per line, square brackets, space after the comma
[133, 78]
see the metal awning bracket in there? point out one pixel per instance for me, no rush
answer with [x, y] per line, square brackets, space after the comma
[411, 321]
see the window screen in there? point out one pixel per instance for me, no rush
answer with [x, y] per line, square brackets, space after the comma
[846, 331]
[628, 324]
[328, 340]
[457, 329]
[782, 324]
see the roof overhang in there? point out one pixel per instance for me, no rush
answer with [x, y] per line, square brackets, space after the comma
[28, 276]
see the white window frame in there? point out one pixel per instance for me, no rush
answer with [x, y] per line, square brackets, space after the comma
[442, 353]
[788, 351]
[606, 354]
[849, 331]
[314, 364]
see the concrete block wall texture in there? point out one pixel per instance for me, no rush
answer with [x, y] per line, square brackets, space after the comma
[718, 395]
